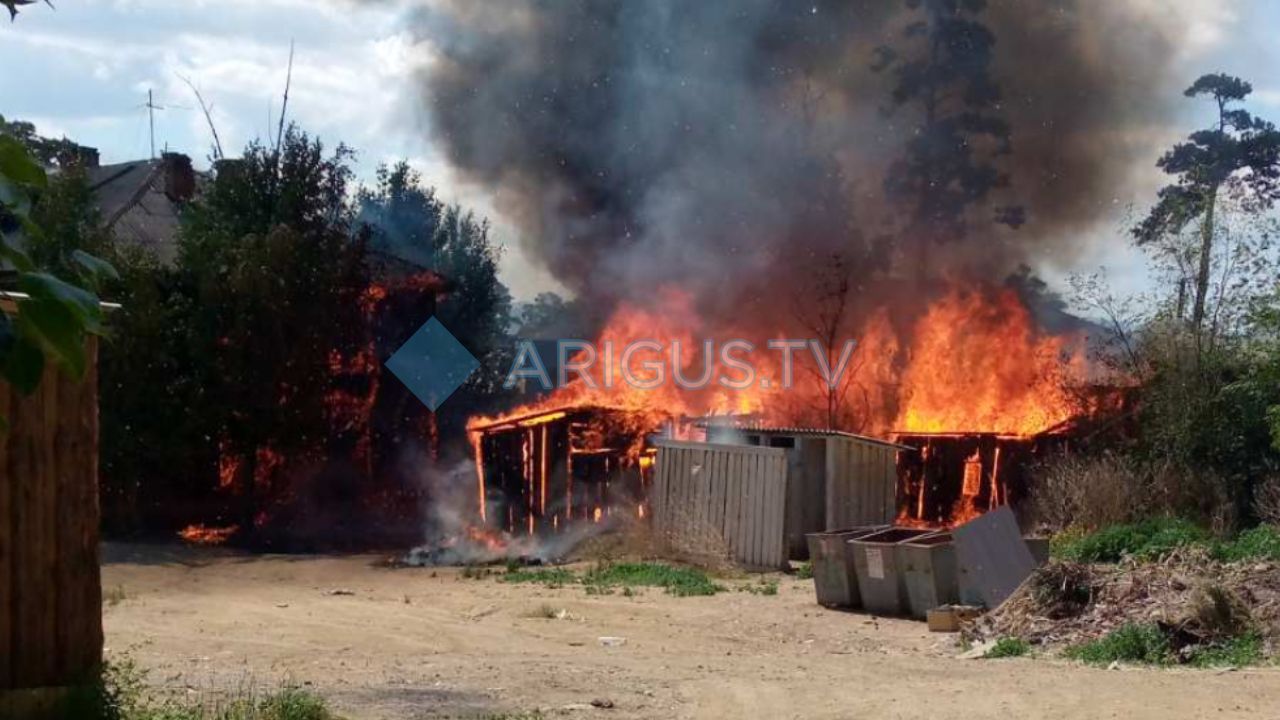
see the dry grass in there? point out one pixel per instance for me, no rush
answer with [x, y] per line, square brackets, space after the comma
[697, 545]
[1266, 500]
[1092, 492]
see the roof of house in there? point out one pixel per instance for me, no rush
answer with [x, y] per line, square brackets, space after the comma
[131, 197]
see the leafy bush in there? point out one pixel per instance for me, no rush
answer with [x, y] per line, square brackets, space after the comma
[1145, 540]
[678, 581]
[1259, 543]
[1007, 647]
[805, 571]
[1141, 643]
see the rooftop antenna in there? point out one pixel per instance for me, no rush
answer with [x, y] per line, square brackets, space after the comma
[151, 116]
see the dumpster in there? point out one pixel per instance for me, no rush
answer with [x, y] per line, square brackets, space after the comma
[929, 572]
[831, 558]
[877, 568]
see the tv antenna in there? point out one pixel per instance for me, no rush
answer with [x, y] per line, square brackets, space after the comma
[152, 107]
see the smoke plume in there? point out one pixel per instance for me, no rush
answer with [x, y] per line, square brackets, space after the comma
[712, 144]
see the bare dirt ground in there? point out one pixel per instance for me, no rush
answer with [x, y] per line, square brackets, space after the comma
[423, 643]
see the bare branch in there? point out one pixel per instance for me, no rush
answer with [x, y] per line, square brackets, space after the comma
[284, 106]
[208, 117]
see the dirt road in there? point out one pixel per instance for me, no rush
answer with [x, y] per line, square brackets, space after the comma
[420, 643]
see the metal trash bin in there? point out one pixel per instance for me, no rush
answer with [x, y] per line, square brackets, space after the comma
[877, 567]
[831, 558]
[928, 566]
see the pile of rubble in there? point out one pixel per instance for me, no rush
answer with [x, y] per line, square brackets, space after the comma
[1187, 593]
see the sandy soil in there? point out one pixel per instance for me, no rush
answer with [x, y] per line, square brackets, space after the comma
[421, 643]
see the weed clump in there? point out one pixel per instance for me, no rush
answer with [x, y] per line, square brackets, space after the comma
[1133, 642]
[1007, 647]
[678, 581]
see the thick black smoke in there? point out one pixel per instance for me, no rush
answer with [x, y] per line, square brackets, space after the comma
[720, 144]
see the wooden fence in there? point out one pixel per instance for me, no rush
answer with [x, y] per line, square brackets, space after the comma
[734, 491]
[50, 591]
[862, 481]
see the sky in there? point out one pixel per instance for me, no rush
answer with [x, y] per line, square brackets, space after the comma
[83, 71]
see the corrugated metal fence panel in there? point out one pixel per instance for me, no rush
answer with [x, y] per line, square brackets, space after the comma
[738, 492]
[861, 482]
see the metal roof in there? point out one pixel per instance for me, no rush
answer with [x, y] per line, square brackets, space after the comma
[815, 432]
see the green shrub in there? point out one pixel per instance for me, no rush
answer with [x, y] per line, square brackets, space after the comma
[1146, 540]
[1007, 647]
[1233, 652]
[678, 581]
[1259, 543]
[805, 571]
[1141, 643]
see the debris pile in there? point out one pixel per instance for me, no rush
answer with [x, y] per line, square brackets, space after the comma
[1190, 596]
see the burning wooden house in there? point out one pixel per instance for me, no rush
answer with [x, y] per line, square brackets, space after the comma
[954, 477]
[544, 470]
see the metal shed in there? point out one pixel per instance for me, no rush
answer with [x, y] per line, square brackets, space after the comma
[835, 479]
[736, 492]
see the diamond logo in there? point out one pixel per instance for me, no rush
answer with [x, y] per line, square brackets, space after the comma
[432, 364]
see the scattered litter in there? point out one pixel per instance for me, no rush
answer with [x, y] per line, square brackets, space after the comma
[977, 651]
[282, 605]
[611, 641]
[602, 703]
[340, 591]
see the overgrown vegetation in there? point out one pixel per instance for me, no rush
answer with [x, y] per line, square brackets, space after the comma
[1151, 644]
[1156, 538]
[1146, 540]
[1138, 643]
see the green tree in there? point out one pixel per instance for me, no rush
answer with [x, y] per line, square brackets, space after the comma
[1238, 150]
[51, 317]
[272, 282]
[407, 220]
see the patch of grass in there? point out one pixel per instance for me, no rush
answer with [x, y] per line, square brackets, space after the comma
[761, 587]
[551, 577]
[1234, 652]
[1259, 543]
[121, 694]
[805, 571]
[1147, 540]
[1007, 647]
[678, 581]
[1139, 643]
